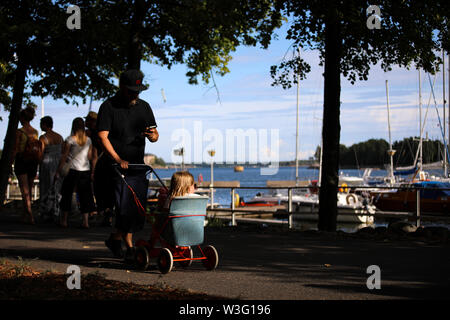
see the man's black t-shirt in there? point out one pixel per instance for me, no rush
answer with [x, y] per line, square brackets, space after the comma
[125, 125]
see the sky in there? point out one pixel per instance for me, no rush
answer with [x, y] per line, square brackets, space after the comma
[256, 122]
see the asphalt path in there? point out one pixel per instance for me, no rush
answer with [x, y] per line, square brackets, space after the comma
[254, 263]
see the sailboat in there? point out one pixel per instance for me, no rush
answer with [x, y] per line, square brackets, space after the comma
[434, 195]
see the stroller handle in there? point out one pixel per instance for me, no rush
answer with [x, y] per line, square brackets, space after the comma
[116, 167]
[136, 165]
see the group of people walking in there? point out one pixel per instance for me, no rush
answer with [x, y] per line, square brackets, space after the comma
[65, 166]
[88, 162]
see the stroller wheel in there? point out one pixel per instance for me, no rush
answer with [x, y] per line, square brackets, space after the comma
[212, 258]
[142, 258]
[165, 261]
[188, 254]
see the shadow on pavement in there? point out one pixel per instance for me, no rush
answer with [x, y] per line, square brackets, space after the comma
[323, 265]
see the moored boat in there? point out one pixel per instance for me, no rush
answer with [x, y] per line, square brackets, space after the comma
[262, 200]
[434, 197]
[352, 208]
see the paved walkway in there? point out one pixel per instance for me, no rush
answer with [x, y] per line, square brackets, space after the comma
[254, 263]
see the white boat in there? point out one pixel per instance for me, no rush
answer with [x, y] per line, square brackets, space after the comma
[352, 208]
[350, 180]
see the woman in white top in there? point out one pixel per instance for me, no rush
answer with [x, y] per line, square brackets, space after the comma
[82, 156]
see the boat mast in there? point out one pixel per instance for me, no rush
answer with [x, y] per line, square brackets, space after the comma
[443, 109]
[420, 125]
[390, 151]
[297, 125]
[320, 161]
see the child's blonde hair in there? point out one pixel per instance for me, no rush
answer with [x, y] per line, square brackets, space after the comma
[180, 183]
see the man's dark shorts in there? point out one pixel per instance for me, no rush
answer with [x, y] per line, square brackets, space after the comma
[129, 218]
[104, 184]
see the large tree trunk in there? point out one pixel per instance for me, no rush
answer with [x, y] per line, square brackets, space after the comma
[10, 138]
[331, 125]
[135, 42]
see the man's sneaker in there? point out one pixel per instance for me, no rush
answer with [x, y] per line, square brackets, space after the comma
[115, 246]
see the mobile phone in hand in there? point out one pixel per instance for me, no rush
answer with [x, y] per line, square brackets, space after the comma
[147, 129]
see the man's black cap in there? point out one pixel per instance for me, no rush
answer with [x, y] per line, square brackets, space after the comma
[132, 79]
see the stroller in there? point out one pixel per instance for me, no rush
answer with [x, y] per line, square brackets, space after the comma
[175, 234]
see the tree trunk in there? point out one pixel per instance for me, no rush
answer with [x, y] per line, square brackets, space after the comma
[135, 42]
[13, 122]
[331, 125]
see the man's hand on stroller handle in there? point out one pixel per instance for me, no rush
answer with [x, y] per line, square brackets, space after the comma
[123, 164]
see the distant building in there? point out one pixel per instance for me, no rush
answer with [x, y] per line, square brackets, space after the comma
[149, 159]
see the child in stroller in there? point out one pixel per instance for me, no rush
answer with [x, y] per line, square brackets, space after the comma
[176, 228]
[181, 185]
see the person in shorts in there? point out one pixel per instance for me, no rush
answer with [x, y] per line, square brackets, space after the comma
[24, 168]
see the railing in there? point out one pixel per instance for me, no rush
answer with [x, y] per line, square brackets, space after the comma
[415, 215]
[13, 190]
[411, 215]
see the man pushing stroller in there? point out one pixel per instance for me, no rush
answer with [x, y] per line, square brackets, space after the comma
[124, 121]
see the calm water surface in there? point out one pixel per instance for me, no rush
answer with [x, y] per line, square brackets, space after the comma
[251, 177]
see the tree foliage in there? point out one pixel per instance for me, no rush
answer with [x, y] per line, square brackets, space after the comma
[68, 64]
[371, 153]
[412, 34]
[61, 63]
[40, 56]
[200, 34]
[374, 153]
[406, 151]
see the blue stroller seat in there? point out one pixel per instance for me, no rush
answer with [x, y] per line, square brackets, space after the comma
[186, 221]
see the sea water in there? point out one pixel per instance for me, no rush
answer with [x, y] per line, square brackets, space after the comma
[252, 177]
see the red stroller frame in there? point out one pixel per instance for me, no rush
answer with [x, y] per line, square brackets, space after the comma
[169, 251]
